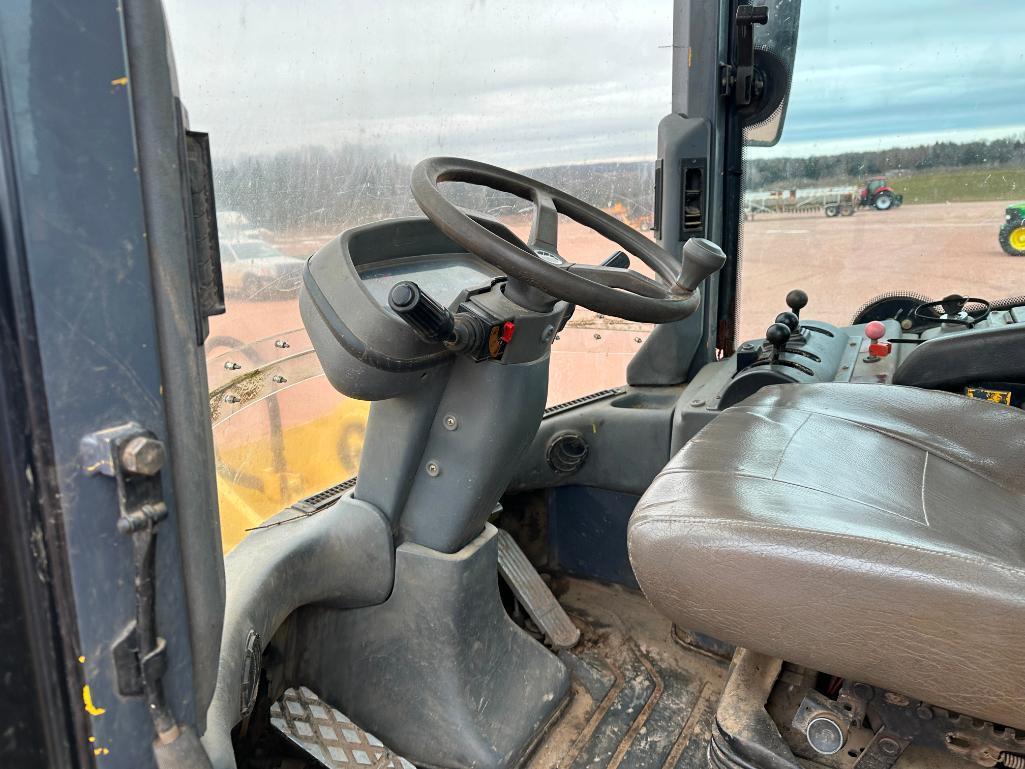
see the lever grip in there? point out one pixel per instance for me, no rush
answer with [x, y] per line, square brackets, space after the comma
[701, 258]
[431, 321]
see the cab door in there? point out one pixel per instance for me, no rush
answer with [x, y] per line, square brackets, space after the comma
[109, 505]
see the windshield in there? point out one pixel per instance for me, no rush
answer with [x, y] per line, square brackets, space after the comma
[318, 110]
[903, 146]
[254, 249]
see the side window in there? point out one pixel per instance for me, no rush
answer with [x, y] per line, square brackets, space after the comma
[884, 180]
[314, 128]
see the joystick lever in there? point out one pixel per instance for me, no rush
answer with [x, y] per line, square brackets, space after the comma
[777, 335]
[797, 300]
[431, 321]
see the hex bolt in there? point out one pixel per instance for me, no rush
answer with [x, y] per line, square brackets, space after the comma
[433, 469]
[281, 344]
[229, 398]
[143, 455]
[597, 336]
[278, 379]
[746, 347]
[697, 402]
[450, 422]
[232, 365]
[637, 339]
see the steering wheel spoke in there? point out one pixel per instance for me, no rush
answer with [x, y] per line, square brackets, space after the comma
[544, 230]
[621, 278]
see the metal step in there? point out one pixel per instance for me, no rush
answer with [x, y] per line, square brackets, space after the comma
[328, 735]
[536, 597]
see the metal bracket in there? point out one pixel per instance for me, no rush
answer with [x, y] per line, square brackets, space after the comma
[738, 77]
[133, 457]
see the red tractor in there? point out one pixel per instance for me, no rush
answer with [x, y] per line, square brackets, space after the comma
[879, 194]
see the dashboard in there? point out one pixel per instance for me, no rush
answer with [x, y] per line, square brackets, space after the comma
[979, 353]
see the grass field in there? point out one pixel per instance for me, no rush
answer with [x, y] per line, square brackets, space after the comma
[959, 185]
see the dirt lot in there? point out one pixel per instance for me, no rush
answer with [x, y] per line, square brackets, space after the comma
[929, 249]
[840, 262]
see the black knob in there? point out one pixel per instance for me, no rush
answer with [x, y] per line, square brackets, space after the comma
[790, 320]
[431, 321]
[777, 335]
[797, 300]
[953, 304]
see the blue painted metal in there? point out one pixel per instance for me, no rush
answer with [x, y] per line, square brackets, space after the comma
[75, 168]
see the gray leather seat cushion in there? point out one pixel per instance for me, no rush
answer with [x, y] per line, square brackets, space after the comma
[871, 532]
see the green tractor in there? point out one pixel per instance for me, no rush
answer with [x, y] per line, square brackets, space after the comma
[1012, 232]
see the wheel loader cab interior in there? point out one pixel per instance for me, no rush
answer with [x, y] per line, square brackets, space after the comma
[697, 451]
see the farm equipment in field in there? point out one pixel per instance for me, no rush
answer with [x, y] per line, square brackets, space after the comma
[878, 194]
[1012, 231]
[833, 201]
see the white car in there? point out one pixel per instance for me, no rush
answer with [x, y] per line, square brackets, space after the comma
[254, 269]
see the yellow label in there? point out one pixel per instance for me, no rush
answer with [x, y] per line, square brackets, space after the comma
[985, 394]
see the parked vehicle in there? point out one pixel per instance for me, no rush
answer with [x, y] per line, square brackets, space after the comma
[257, 270]
[1012, 231]
[833, 201]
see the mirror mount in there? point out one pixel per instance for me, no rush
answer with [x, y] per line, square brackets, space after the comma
[738, 77]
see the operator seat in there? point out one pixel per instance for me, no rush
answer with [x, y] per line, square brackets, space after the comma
[871, 532]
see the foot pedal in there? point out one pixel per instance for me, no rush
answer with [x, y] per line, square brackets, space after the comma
[536, 597]
[328, 735]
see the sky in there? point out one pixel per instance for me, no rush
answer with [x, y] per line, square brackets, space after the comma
[546, 82]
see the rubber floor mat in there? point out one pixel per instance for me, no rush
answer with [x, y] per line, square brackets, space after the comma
[640, 699]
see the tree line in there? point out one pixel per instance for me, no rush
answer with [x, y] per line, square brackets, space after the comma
[316, 189]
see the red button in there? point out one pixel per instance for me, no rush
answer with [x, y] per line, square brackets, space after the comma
[508, 329]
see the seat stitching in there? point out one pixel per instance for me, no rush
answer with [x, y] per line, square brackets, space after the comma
[894, 436]
[925, 466]
[783, 453]
[735, 474]
[656, 517]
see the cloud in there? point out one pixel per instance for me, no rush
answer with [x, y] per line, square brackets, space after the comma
[534, 82]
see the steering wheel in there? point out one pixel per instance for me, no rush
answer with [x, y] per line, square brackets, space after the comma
[616, 291]
[953, 307]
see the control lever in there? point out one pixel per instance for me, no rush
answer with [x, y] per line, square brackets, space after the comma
[701, 258]
[790, 320]
[797, 300]
[778, 334]
[431, 321]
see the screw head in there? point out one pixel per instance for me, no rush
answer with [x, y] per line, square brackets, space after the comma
[143, 455]
[282, 344]
[597, 336]
[229, 398]
[547, 334]
[278, 379]
[450, 422]
[232, 365]
[697, 402]
[433, 469]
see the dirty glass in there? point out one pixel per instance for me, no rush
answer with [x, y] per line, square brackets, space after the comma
[318, 109]
[900, 165]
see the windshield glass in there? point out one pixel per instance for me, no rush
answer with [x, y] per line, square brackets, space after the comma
[901, 159]
[254, 249]
[318, 110]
